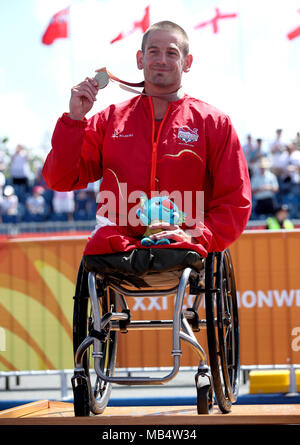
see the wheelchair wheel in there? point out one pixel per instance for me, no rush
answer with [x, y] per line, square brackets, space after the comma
[205, 402]
[222, 328]
[81, 397]
[90, 386]
[204, 399]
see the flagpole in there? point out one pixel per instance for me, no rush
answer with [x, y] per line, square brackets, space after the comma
[71, 44]
[241, 61]
[241, 43]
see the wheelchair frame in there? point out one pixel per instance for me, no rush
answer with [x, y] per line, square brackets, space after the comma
[215, 282]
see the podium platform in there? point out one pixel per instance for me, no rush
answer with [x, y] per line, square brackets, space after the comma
[45, 412]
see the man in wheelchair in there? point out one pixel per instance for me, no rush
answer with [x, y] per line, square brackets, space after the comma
[175, 191]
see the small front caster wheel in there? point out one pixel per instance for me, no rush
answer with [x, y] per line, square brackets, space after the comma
[81, 400]
[204, 399]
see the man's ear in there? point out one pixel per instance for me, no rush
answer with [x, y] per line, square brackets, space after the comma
[188, 63]
[140, 59]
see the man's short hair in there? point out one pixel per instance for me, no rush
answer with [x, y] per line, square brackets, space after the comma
[169, 26]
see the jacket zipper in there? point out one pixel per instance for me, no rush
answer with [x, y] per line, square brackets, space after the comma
[154, 145]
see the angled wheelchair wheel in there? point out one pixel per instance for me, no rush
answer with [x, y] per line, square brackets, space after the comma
[88, 386]
[222, 328]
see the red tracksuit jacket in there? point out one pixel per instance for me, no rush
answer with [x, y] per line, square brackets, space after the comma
[196, 149]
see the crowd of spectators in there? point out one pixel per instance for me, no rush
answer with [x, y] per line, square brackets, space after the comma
[25, 197]
[274, 169]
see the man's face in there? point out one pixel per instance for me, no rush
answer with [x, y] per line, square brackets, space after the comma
[163, 61]
[281, 215]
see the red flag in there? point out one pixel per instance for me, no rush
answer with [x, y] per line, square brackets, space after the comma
[142, 24]
[58, 27]
[294, 33]
[215, 19]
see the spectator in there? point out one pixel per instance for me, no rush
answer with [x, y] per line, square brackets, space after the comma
[288, 164]
[92, 189]
[63, 205]
[264, 186]
[255, 155]
[248, 147]
[4, 160]
[277, 147]
[36, 205]
[39, 179]
[280, 219]
[293, 165]
[2, 181]
[83, 206]
[48, 193]
[19, 168]
[10, 205]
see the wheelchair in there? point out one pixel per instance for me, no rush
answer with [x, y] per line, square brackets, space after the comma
[105, 282]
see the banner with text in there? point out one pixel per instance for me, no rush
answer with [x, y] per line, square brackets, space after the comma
[37, 280]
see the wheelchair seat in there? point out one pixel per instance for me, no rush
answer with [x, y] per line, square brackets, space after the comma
[144, 268]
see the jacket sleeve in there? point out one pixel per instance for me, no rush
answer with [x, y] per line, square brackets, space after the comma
[227, 195]
[75, 157]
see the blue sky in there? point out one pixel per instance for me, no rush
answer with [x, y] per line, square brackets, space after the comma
[249, 69]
